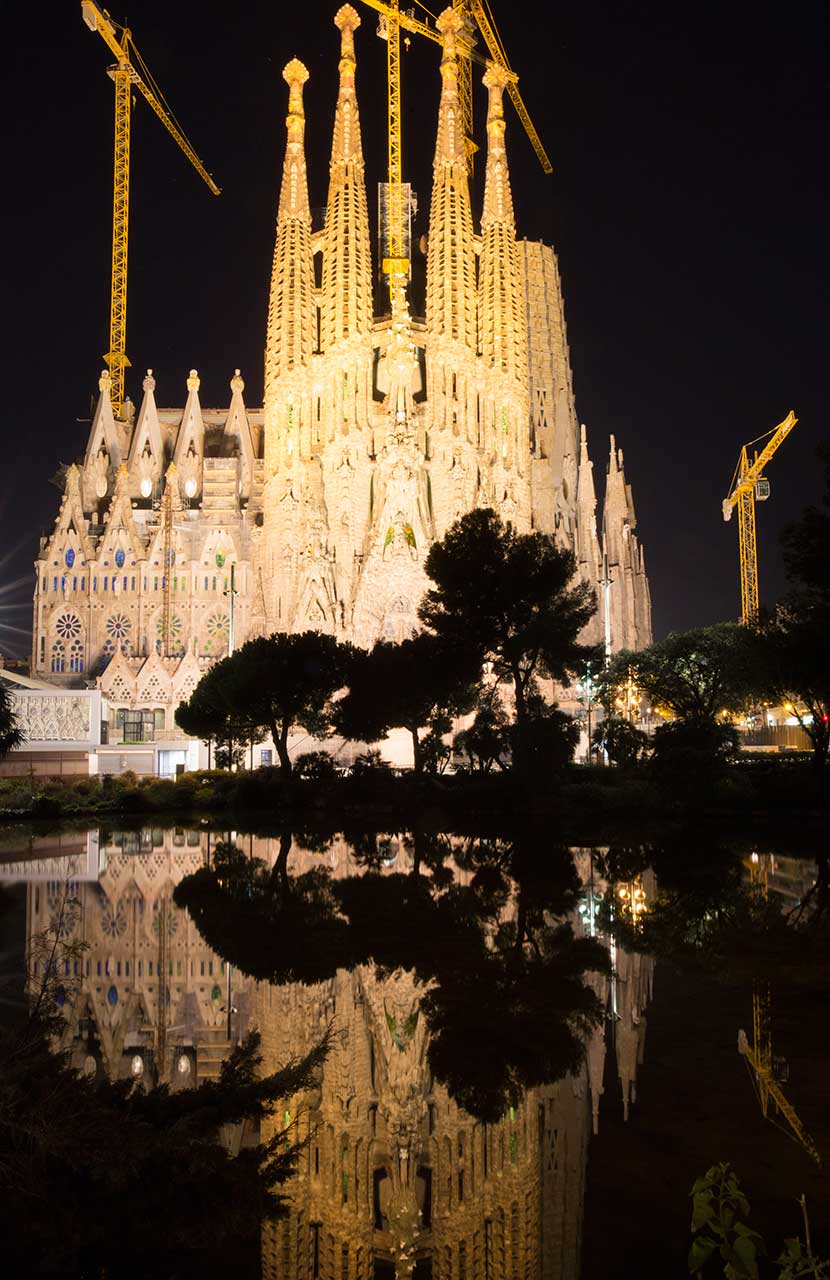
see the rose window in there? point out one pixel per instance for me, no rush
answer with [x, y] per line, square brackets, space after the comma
[114, 920]
[118, 626]
[175, 627]
[68, 626]
[217, 626]
[170, 912]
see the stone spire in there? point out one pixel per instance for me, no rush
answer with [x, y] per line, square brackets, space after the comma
[501, 291]
[587, 543]
[347, 261]
[451, 295]
[292, 320]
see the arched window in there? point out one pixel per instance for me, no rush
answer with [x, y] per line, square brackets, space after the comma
[58, 657]
[76, 656]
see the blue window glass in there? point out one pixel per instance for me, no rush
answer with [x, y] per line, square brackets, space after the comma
[112, 997]
[125, 584]
[54, 584]
[120, 557]
[74, 584]
[83, 584]
[132, 584]
[63, 584]
[69, 558]
[105, 584]
[94, 584]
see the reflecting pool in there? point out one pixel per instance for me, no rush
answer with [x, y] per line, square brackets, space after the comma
[486, 1000]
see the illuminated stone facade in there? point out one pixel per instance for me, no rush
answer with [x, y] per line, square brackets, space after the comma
[375, 435]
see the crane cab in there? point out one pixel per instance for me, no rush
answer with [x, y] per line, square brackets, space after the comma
[761, 489]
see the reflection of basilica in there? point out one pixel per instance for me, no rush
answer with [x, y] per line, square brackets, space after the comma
[395, 1180]
[151, 996]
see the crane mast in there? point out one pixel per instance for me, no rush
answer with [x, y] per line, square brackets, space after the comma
[749, 483]
[129, 71]
[396, 261]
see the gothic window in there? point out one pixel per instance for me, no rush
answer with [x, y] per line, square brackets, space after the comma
[54, 584]
[76, 656]
[120, 557]
[69, 558]
[58, 658]
[218, 626]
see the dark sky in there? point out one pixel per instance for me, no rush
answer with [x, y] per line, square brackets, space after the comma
[689, 207]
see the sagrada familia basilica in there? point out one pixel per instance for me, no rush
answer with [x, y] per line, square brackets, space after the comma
[377, 432]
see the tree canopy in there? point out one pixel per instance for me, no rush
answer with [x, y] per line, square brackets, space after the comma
[10, 734]
[693, 674]
[419, 684]
[278, 682]
[512, 599]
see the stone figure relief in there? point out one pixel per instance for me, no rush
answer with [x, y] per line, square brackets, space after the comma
[45, 719]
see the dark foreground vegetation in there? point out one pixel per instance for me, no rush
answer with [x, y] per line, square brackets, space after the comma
[106, 1178]
[580, 797]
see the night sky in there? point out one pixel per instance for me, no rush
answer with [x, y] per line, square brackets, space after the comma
[689, 207]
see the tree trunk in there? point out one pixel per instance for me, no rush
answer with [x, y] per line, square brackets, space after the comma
[417, 757]
[279, 871]
[520, 736]
[280, 739]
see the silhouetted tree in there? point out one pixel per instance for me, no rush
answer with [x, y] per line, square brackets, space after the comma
[210, 714]
[282, 682]
[511, 599]
[417, 685]
[10, 734]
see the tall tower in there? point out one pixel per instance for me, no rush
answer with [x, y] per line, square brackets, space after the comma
[451, 321]
[290, 343]
[502, 326]
[343, 404]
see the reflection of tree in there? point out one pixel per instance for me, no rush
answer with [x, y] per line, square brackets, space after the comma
[707, 913]
[267, 923]
[484, 933]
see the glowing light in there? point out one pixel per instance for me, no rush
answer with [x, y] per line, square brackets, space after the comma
[146, 487]
[190, 486]
[137, 1065]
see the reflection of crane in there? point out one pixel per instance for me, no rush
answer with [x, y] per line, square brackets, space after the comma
[129, 70]
[163, 986]
[759, 1054]
[749, 483]
[396, 257]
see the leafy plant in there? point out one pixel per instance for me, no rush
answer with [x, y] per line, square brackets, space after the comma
[719, 1208]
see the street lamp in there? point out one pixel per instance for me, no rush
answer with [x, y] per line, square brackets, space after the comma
[586, 689]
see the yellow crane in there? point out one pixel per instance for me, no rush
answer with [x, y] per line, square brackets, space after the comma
[393, 18]
[758, 1055]
[129, 70]
[749, 483]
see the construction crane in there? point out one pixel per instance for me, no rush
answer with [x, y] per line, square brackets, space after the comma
[758, 1055]
[749, 484]
[129, 70]
[396, 261]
